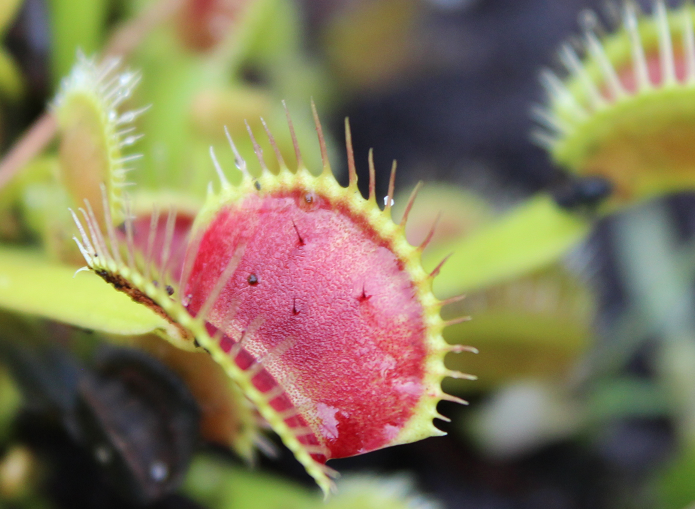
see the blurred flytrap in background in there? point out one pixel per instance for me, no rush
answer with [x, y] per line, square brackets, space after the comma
[248, 291]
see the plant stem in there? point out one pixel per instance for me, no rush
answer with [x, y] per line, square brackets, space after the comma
[32, 142]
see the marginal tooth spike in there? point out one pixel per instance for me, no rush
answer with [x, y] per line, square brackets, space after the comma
[128, 159]
[130, 243]
[113, 240]
[166, 250]
[131, 115]
[123, 132]
[322, 140]
[639, 60]
[668, 65]
[302, 431]
[122, 172]
[83, 234]
[574, 65]
[151, 237]
[265, 446]
[458, 320]
[430, 234]
[96, 250]
[410, 203]
[452, 300]
[231, 313]
[352, 171]
[254, 369]
[439, 266]
[315, 449]
[246, 336]
[442, 417]
[596, 49]
[276, 150]
[188, 261]
[238, 160]
[218, 169]
[372, 177]
[273, 393]
[549, 120]
[81, 269]
[462, 348]
[257, 149]
[543, 139]
[332, 474]
[558, 92]
[689, 44]
[98, 237]
[221, 283]
[217, 336]
[105, 69]
[454, 399]
[461, 376]
[85, 255]
[274, 353]
[288, 414]
[295, 144]
[390, 194]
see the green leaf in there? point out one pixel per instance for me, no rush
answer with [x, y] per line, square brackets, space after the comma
[31, 284]
[222, 486]
[530, 237]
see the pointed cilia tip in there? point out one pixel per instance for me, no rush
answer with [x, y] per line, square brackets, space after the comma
[274, 145]
[293, 134]
[352, 171]
[372, 177]
[452, 300]
[81, 269]
[411, 202]
[322, 140]
[389, 196]
[239, 161]
[431, 232]
[218, 169]
[256, 148]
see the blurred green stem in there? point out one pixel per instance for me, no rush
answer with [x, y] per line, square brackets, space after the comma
[33, 141]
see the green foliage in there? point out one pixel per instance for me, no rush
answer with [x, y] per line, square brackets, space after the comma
[532, 236]
[33, 285]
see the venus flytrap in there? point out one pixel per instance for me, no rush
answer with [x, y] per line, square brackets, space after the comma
[310, 298]
[94, 131]
[625, 110]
